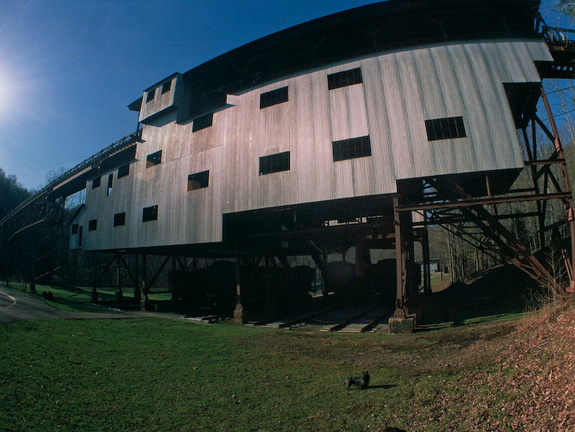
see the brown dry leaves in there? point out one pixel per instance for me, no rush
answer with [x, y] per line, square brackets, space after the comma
[533, 389]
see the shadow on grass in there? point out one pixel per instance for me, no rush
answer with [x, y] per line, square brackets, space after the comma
[502, 291]
[384, 387]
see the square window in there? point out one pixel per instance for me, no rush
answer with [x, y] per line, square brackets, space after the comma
[344, 79]
[150, 213]
[93, 225]
[123, 171]
[351, 148]
[198, 181]
[154, 159]
[96, 182]
[151, 95]
[274, 97]
[120, 219]
[203, 122]
[166, 87]
[445, 128]
[275, 163]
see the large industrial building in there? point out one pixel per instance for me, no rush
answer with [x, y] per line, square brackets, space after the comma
[356, 130]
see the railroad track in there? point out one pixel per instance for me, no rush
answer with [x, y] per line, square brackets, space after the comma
[363, 322]
[344, 319]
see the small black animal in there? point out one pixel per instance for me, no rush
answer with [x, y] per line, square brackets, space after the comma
[362, 381]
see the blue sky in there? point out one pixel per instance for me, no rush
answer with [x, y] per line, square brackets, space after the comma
[69, 68]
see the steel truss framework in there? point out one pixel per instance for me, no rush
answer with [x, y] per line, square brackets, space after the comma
[478, 220]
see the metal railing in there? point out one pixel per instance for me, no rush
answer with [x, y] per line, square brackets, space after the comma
[90, 162]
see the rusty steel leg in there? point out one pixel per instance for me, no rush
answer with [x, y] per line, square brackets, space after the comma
[567, 185]
[400, 322]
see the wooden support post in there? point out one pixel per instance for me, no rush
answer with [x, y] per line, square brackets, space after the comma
[119, 293]
[94, 279]
[240, 316]
[426, 261]
[137, 290]
[360, 248]
[144, 301]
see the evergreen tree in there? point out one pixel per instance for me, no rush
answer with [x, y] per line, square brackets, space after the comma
[12, 193]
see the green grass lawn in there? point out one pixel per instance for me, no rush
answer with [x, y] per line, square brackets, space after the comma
[163, 375]
[167, 375]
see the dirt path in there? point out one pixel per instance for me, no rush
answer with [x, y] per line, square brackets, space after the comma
[19, 306]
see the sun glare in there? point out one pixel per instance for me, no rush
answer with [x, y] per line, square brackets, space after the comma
[8, 94]
[15, 90]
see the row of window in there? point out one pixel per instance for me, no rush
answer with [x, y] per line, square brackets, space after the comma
[123, 171]
[437, 129]
[275, 97]
[148, 214]
[151, 94]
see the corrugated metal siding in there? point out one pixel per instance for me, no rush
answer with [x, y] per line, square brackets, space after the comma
[400, 91]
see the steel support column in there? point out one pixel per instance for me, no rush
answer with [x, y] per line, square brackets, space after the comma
[567, 187]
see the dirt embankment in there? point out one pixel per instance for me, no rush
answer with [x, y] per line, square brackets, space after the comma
[534, 386]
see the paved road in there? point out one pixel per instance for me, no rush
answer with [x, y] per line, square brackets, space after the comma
[19, 306]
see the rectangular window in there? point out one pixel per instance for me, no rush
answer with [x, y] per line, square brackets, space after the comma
[274, 163]
[344, 79]
[150, 213]
[120, 219]
[96, 182]
[203, 122]
[110, 183]
[198, 181]
[75, 229]
[166, 87]
[445, 128]
[93, 225]
[274, 97]
[351, 148]
[123, 171]
[154, 159]
[151, 95]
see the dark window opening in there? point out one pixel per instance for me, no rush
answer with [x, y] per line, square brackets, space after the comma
[150, 213]
[80, 236]
[75, 229]
[275, 163]
[151, 95]
[96, 182]
[110, 183]
[154, 159]
[203, 122]
[120, 219]
[93, 225]
[344, 79]
[445, 128]
[166, 87]
[274, 97]
[123, 171]
[351, 148]
[198, 181]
